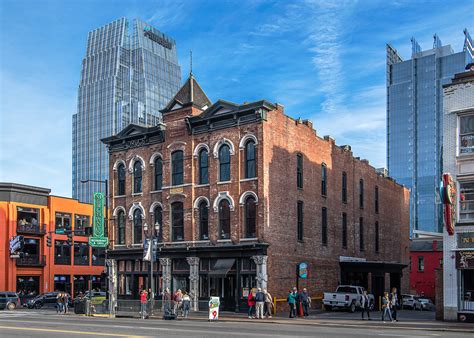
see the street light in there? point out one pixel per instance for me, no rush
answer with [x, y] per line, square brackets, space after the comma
[155, 233]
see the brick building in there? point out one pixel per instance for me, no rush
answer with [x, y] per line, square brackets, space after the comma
[243, 194]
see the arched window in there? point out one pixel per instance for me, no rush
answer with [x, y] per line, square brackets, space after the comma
[203, 220]
[158, 218]
[203, 166]
[121, 179]
[177, 167]
[137, 177]
[177, 221]
[158, 173]
[250, 167]
[250, 217]
[121, 227]
[224, 163]
[224, 219]
[137, 226]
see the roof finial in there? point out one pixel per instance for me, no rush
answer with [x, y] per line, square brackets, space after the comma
[190, 62]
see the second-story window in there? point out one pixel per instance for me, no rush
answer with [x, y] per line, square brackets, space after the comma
[324, 226]
[323, 179]
[250, 217]
[361, 194]
[121, 227]
[81, 253]
[224, 163]
[62, 253]
[344, 187]
[421, 263]
[177, 221]
[299, 171]
[224, 219]
[63, 222]
[361, 234]
[376, 199]
[203, 166]
[203, 221]
[466, 134]
[80, 224]
[300, 224]
[344, 230]
[377, 237]
[250, 165]
[121, 179]
[158, 166]
[177, 167]
[158, 220]
[137, 177]
[137, 226]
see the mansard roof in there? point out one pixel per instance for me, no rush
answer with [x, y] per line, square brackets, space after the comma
[190, 94]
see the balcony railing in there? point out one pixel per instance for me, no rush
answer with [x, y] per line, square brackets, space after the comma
[81, 260]
[31, 260]
[28, 228]
[62, 260]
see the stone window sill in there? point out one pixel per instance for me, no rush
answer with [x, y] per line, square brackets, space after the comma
[225, 182]
[249, 179]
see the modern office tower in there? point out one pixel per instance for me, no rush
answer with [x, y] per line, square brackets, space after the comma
[415, 123]
[127, 77]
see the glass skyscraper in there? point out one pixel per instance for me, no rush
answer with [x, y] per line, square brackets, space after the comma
[415, 123]
[127, 77]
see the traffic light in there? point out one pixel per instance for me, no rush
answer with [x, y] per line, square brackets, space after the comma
[69, 238]
[49, 241]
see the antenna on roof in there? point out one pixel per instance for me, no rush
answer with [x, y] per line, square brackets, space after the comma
[190, 62]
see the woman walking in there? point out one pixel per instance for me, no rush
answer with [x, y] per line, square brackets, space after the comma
[365, 305]
[291, 299]
[386, 307]
[186, 304]
[251, 304]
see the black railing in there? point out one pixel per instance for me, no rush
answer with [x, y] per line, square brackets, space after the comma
[31, 260]
[81, 260]
[62, 260]
[28, 228]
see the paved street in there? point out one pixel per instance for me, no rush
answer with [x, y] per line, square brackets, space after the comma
[24, 323]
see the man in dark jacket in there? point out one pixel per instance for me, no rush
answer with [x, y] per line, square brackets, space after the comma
[259, 303]
[305, 301]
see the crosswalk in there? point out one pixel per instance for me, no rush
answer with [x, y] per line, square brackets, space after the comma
[16, 313]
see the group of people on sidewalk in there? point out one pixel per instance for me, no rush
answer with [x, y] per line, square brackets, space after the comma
[62, 303]
[299, 302]
[260, 304]
[390, 303]
[177, 304]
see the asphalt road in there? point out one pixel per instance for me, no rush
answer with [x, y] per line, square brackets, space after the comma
[47, 324]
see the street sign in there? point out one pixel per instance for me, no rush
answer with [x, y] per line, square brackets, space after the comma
[60, 231]
[303, 270]
[98, 240]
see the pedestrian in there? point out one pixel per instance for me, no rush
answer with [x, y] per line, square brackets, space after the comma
[365, 305]
[305, 301]
[167, 302]
[59, 303]
[65, 302]
[386, 307]
[186, 304]
[251, 304]
[143, 302]
[268, 304]
[291, 300]
[259, 303]
[394, 303]
[178, 298]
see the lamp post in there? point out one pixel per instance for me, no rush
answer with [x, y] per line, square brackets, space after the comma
[152, 236]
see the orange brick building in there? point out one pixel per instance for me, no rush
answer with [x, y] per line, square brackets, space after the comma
[33, 213]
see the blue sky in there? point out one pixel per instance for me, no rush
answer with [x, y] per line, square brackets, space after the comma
[322, 60]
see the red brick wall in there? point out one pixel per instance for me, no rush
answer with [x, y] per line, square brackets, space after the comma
[424, 282]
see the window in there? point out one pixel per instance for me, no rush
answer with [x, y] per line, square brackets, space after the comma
[250, 217]
[224, 163]
[203, 220]
[324, 226]
[466, 134]
[81, 222]
[177, 167]
[158, 173]
[421, 263]
[62, 253]
[299, 230]
[121, 179]
[27, 218]
[63, 222]
[224, 219]
[250, 168]
[203, 167]
[377, 237]
[376, 199]
[81, 253]
[344, 230]
[361, 194]
[344, 187]
[158, 215]
[299, 171]
[466, 201]
[137, 177]
[361, 234]
[177, 221]
[323, 180]
[98, 256]
[137, 226]
[121, 227]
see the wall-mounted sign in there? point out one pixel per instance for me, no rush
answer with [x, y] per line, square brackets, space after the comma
[466, 240]
[158, 39]
[465, 260]
[98, 240]
[303, 270]
[447, 192]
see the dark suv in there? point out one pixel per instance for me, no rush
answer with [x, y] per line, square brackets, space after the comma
[46, 300]
[9, 300]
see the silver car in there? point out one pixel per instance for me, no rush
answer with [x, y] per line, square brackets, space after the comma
[410, 302]
[426, 304]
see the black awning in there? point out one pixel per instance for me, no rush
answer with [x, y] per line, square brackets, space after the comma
[222, 267]
[356, 266]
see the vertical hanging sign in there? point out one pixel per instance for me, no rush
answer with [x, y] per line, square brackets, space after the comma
[98, 240]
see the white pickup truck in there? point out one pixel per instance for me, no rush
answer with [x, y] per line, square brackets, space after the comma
[346, 297]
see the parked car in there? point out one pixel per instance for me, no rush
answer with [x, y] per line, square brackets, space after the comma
[9, 300]
[410, 302]
[426, 304]
[98, 297]
[45, 300]
[346, 297]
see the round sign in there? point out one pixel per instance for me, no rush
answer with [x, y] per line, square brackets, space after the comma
[303, 270]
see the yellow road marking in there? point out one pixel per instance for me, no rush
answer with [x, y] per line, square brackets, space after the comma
[70, 331]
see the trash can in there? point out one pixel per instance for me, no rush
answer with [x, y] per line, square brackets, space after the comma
[80, 306]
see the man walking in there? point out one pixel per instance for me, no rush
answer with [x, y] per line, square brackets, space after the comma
[259, 303]
[365, 305]
[394, 303]
[268, 304]
[305, 301]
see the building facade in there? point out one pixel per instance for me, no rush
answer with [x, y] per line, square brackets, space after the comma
[415, 123]
[125, 78]
[242, 194]
[33, 213]
[458, 160]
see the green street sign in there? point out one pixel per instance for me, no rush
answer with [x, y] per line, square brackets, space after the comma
[59, 231]
[98, 240]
